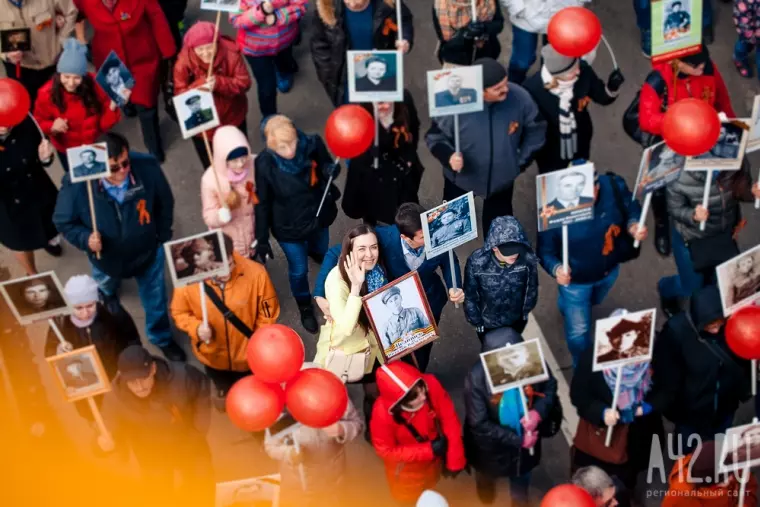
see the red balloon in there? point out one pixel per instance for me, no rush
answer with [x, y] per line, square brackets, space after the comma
[743, 332]
[350, 130]
[691, 127]
[567, 495]
[316, 398]
[574, 31]
[253, 405]
[275, 353]
[14, 102]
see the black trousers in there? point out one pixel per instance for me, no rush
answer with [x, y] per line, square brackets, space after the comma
[32, 79]
[200, 146]
[151, 131]
[265, 69]
[498, 204]
[224, 379]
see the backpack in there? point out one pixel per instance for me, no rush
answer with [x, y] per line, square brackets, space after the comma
[631, 123]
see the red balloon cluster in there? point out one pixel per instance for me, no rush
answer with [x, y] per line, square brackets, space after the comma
[743, 332]
[350, 130]
[691, 127]
[14, 102]
[275, 354]
[567, 495]
[574, 31]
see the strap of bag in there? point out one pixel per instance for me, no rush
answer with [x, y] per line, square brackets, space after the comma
[618, 198]
[416, 434]
[226, 312]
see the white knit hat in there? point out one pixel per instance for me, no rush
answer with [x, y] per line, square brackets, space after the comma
[430, 498]
[81, 289]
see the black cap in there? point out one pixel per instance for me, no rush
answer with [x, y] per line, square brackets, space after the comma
[135, 363]
[493, 72]
[512, 248]
[697, 59]
[239, 152]
[193, 99]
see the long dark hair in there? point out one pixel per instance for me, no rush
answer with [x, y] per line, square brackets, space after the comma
[85, 91]
[345, 248]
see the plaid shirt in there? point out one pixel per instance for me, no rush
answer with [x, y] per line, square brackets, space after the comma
[456, 14]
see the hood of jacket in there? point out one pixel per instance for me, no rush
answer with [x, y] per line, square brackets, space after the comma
[501, 337]
[506, 230]
[395, 380]
[328, 10]
[224, 46]
[226, 139]
[705, 306]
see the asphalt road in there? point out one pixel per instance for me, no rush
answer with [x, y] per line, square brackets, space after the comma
[234, 454]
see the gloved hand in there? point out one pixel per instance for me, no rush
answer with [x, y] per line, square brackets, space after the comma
[529, 439]
[531, 421]
[263, 250]
[439, 446]
[474, 30]
[615, 81]
[331, 170]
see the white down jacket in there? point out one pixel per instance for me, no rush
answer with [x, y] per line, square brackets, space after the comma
[534, 15]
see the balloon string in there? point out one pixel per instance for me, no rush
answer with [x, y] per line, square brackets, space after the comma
[42, 135]
[612, 55]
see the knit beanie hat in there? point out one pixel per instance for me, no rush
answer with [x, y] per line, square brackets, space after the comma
[199, 34]
[81, 289]
[556, 63]
[430, 498]
[73, 59]
[493, 71]
[697, 59]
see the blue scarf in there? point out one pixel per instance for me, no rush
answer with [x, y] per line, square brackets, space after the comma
[511, 410]
[634, 386]
[375, 278]
[301, 160]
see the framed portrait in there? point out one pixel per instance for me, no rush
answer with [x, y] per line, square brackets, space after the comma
[35, 297]
[88, 162]
[624, 339]
[449, 225]
[80, 373]
[457, 90]
[232, 6]
[15, 39]
[753, 143]
[728, 152]
[375, 76]
[197, 258]
[740, 448]
[514, 365]
[115, 79]
[196, 111]
[401, 317]
[565, 197]
[676, 29]
[659, 167]
[261, 491]
[739, 280]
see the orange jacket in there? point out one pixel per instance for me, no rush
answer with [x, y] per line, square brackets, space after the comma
[683, 494]
[249, 293]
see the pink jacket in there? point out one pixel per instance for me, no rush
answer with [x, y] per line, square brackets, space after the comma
[240, 228]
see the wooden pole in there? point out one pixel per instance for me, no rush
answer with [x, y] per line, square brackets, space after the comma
[92, 214]
[706, 196]
[754, 377]
[615, 397]
[565, 252]
[643, 219]
[453, 274]
[398, 20]
[98, 419]
[525, 410]
[216, 36]
[456, 133]
[57, 332]
[204, 307]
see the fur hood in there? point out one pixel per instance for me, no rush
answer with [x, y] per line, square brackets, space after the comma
[327, 10]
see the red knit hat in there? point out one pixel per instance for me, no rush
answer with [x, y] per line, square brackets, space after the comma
[199, 34]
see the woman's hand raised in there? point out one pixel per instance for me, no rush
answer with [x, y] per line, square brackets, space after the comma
[355, 273]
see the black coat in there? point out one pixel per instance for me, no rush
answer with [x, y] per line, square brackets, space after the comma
[459, 50]
[588, 88]
[491, 448]
[329, 42]
[375, 194]
[27, 194]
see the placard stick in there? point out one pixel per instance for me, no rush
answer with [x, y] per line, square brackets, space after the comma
[643, 219]
[525, 410]
[474, 10]
[327, 188]
[10, 393]
[377, 133]
[615, 397]
[98, 419]
[456, 133]
[92, 213]
[609, 48]
[398, 21]
[301, 471]
[204, 308]
[453, 274]
[746, 471]
[213, 52]
[757, 201]
[565, 253]
[754, 377]
[57, 332]
[213, 171]
[706, 196]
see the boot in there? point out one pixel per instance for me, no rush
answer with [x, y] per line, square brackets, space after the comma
[308, 319]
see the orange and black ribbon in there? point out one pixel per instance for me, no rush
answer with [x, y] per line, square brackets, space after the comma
[313, 180]
[252, 197]
[398, 132]
[144, 216]
[609, 239]
[389, 27]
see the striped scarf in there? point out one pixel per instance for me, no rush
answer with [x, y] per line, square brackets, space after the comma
[568, 137]
[456, 14]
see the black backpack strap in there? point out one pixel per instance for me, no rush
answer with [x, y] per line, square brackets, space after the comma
[416, 434]
[657, 82]
[226, 312]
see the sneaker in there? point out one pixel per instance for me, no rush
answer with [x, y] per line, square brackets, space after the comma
[284, 82]
[54, 246]
[308, 319]
[173, 352]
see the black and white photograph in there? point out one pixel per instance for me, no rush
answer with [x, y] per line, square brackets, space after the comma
[740, 449]
[88, 162]
[659, 167]
[375, 76]
[196, 111]
[232, 6]
[197, 258]
[739, 280]
[514, 365]
[457, 90]
[565, 197]
[753, 142]
[449, 225]
[80, 373]
[115, 79]
[36, 297]
[15, 39]
[624, 339]
[263, 491]
[400, 316]
[677, 22]
[728, 152]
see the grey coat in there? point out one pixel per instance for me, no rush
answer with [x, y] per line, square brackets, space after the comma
[727, 190]
[497, 143]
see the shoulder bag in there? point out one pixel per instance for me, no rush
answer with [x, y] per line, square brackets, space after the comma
[590, 438]
[623, 242]
[347, 367]
[631, 124]
[228, 314]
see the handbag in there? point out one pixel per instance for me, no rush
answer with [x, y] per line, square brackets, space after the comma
[347, 367]
[623, 242]
[550, 426]
[707, 253]
[590, 438]
[631, 124]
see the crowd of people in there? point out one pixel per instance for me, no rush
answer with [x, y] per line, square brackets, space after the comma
[288, 193]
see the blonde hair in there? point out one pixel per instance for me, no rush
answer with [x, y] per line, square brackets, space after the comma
[279, 128]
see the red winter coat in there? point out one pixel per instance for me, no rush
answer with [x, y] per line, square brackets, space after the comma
[708, 87]
[139, 34]
[410, 466]
[84, 127]
[232, 80]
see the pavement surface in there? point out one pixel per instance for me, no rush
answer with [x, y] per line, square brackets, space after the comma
[235, 454]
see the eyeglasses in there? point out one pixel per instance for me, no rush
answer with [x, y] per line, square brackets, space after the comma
[119, 166]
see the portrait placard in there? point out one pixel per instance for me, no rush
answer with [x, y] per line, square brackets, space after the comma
[232, 6]
[35, 297]
[263, 491]
[740, 449]
[15, 39]
[400, 316]
[88, 162]
[565, 197]
[449, 225]
[728, 152]
[197, 258]
[753, 142]
[80, 373]
[115, 79]
[739, 280]
[514, 365]
[659, 167]
[676, 29]
[375, 76]
[624, 339]
[196, 111]
[457, 90]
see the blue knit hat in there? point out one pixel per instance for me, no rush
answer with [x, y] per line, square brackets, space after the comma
[73, 59]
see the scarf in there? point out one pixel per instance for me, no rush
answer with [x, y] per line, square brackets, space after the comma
[456, 14]
[568, 138]
[386, 120]
[414, 256]
[235, 177]
[635, 384]
[301, 160]
[511, 410]
[375, 278]
[81, 324]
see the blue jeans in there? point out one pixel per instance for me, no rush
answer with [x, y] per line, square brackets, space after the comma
[524, 45]
[297, 254]
[152, 290]
[265, 69]
[687, 281]
[575, 302]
